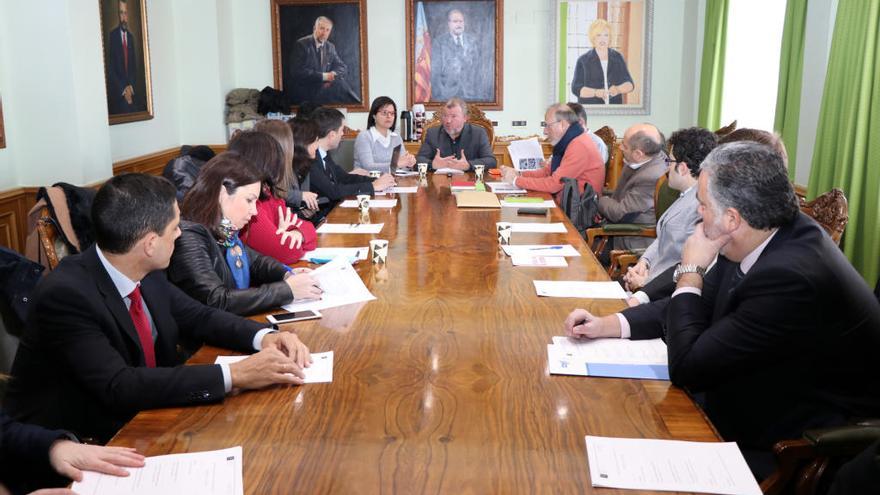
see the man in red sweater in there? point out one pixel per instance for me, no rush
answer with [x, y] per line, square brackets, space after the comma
[574, 156]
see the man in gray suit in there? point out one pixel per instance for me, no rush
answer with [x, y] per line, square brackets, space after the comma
[318, 72]
[687, 150]
[455, 63]
[633, 199]
[456, 144]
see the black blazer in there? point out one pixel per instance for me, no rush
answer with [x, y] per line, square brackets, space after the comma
[199, 267]
[792, 347]
[24, 456]
[80, 366]
[588, 72]
[328, 179]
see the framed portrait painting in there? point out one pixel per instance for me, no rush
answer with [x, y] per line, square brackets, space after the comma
[319, 52]
[455, 49]
[602, 55]
[2, 132]
[126, 60]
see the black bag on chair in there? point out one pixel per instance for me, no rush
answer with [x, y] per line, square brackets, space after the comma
[581, 209]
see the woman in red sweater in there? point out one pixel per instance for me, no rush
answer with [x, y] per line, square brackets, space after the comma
[274, 231]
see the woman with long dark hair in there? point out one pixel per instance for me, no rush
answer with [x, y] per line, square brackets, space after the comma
[211, 264]
[275, 230]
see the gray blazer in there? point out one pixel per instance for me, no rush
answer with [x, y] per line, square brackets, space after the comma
[633, 200]
[473, 141]
[674, 227]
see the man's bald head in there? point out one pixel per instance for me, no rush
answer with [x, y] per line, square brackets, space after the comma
[642, 142]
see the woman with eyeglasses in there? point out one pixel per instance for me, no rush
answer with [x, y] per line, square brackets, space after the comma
[373, 148]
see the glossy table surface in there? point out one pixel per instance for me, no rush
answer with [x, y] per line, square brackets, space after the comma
[440, 385]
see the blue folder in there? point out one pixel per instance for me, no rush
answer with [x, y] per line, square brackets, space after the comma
[642, 371]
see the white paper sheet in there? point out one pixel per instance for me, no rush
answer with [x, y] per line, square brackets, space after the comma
[528, 150]
[614, 351]
[350, 228]
[669, 465]
[405, 173]
[543, 261]
[323, 255]
[445, 171]
[341, 284]
[463, 188]
[547, 203]
[504, 188]
[555, 250]
[374, 203]
[586, 290]
[547, 228]
[320, 371]
[216, 472]
[400, 190]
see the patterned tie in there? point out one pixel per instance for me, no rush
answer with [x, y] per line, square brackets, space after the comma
[142, 325]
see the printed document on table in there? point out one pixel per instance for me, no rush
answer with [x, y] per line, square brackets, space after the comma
[547, 203]
[614, 351]
[546, 228]
[453, 171]
[669, 465]
[216, 472]
[540, 250]
[542, 261]
[405, 173]
[323, 255]
[526, 154]
[374, 203]
[399, 190]
[586, 290]
[341, 284]
[320, 371]
[504, 188]
[350, 228]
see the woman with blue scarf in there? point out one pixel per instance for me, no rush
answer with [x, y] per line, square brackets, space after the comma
[211, 264]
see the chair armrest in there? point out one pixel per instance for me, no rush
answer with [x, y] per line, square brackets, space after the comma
[842, 441]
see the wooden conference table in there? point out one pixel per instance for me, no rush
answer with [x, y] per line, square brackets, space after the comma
[440, 385]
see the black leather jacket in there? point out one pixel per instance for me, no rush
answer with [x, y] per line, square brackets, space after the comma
[199, 267]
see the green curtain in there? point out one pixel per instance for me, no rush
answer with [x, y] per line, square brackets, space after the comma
[847, 151]
[791, 73]
[712, 66]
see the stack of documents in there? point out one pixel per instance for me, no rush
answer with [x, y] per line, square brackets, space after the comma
[669, 465]
[402, 172]
[374, 203]
[198, 473]
[547, 228]
[463, 186]
[504, 188]
[476, 199]
[576, 288]
[341, 284]
[527, 202]
[526, 154]
[613, 358]
[556, 250]
[326, 255]
[453, 171]
[320, 371]
[350, 228]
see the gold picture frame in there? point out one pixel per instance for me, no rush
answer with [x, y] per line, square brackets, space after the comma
[126, 60]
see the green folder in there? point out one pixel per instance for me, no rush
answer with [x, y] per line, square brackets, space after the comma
[523, 199]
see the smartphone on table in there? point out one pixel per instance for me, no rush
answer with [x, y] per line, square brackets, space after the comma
[280, 318]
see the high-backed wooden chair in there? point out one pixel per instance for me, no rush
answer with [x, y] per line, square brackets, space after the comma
[475, 116]
[615, 157]
[831, 211]
[664, 196]
[726, 129]
[52, 245]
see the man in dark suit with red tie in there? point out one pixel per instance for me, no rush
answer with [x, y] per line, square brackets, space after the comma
[319, 75]
[782, 334]
[122, 68]
[104, 327]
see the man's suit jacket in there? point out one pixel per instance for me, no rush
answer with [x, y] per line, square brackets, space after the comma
[633, 200]
[80, 366]
[307, 69]
[454, 71]
[24, 456]
[673, 228]
[473, 140]
[328, 179]
[792, 346]
[118, 78]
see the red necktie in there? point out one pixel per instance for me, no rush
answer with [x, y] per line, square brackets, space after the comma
[125, 50]
[142, 325]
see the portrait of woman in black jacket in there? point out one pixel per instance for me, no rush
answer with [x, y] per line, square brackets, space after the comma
[601, 76]
[211, 264]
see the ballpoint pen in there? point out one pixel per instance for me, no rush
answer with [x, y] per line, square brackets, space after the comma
[543, 248]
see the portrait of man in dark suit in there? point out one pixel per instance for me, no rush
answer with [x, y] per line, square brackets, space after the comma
[125, 60]
[319, 57]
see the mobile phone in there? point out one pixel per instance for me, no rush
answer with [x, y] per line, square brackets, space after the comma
[531, 211]
[279, 318]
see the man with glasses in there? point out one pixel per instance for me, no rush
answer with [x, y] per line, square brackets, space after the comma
[456, 144]
[574, 156]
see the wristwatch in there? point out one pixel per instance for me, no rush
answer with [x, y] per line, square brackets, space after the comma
[682, 269]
